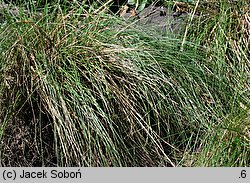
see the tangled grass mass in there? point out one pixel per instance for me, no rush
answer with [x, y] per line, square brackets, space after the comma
[81, 87]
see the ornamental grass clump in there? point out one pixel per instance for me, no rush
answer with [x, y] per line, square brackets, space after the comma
[87, 89]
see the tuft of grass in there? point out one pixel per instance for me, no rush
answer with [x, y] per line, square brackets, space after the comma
[227, 145]
[86, 89]
[224, 33]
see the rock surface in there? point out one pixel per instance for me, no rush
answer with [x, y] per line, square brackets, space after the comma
[160, 19]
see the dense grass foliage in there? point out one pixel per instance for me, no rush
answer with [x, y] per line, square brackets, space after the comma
[88, 89]
[223, 29]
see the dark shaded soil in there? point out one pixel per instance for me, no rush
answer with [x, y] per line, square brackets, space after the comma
[28, 141]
